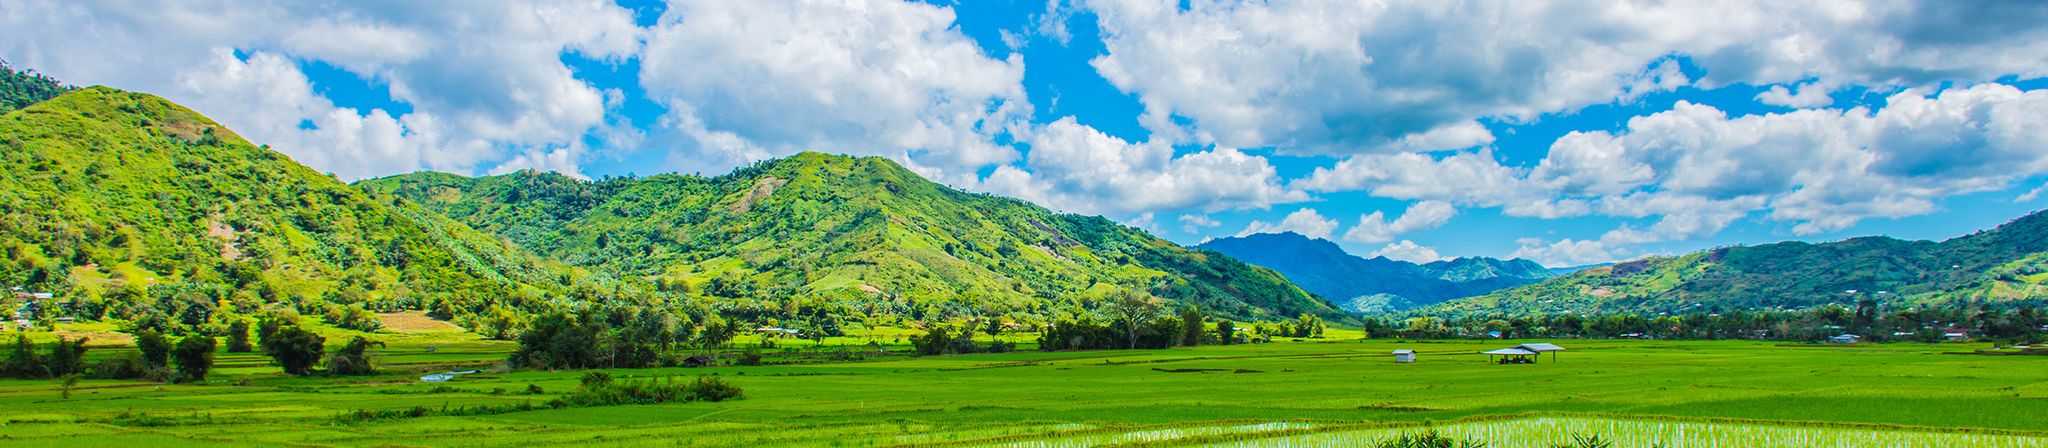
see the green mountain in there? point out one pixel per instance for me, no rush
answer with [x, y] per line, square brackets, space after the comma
[134, 207]
[2006, 265]
[863, 233]
[1375, 284]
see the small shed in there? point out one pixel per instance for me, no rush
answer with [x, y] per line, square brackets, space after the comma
[697, 361]
[1844, 339]
[1541, 348]
[437, 377]
[1404, 356]
[1511, 356]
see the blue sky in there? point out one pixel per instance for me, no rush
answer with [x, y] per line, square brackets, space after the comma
[1564, 133]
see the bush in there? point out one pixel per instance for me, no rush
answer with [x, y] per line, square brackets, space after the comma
[752, 357]
[195, 357]
[155, 348]
[1428, 440]
[67, 357]
[238, 337]
[22, 361]
[599, 389]
[295, 349]
[354, 358]
[124, 367]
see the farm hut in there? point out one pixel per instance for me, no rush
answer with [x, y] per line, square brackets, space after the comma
[1404, 356]
[1955, 334]
[1541, 348]
[437, 377]
[1844, 339]
[697, 361]
[1511, 356]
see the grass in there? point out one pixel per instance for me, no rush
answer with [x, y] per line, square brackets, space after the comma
[1314, 392]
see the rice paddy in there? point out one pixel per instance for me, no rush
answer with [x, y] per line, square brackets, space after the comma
[1331, 392]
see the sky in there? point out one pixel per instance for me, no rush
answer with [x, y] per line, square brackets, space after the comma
[1563, 132]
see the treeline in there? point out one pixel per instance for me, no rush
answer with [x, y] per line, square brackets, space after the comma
[19, 89]
[1867, 319]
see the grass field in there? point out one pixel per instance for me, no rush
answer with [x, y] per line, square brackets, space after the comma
[1330, 392]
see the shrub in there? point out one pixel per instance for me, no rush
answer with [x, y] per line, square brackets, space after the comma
[238, 337]
[118, 368]
[195, 357]
[354, 358]
[155, 348]
[295, 349]
[1428, 440]
[23, 362]
[67, 357]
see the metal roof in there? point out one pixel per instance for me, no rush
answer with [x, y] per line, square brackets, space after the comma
[1510, 351]
[1541, 347]
[1404, 352]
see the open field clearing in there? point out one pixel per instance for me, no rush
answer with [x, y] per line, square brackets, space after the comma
[1309, 393]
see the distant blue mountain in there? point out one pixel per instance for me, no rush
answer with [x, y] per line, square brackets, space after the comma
[1377, 284]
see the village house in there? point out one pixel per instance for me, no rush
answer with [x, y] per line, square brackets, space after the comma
[1845, 339]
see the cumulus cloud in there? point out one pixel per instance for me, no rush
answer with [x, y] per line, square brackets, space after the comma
[1408, 251]
[224, 59]
[1336, 77]
[1374, 228]
[1192, 223]
[1306, 222]
[1075, 167]
[1566, 252]
[746, 81]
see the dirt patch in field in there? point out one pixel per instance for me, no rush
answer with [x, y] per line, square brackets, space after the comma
[415, 322]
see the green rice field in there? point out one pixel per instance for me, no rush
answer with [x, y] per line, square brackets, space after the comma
[1323, 392]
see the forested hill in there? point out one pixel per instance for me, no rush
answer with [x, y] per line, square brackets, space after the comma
[858, 232]
[137, 208]
[1375, 284]
[2007, 265]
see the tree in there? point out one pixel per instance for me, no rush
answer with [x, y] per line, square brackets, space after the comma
[155, 348]
[1227, 331]
[716, 333]
[1191, 326]
[23, 362]
[295, 349]
[67, 357]
[1132, 310]
[354, 358]
[238, 337]
[195, 356]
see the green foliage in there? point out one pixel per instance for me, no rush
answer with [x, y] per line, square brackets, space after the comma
[599, 337]
[354, 358]
[1190, 326]
[19, 89]
[599, 389]
[22, 361]
[195, 357]
[2001, 266]
[1226, 331]
[238, 337]
[1429, 439]
[814, 236]
[155, 348]
[293, 348]
[67, 357]
[146, 211]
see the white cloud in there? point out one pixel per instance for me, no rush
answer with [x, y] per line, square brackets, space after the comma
[1075, 167]
[1338, 77]
[1408, 251]
[1566, 252]
[1306, 222]
[430, 56]
[1192, 222]
[746, 81]
[1374, 228]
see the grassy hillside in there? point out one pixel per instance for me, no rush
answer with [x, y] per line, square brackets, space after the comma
[135, 207]
[862, 233]
[2006, 265]
[19, 89]
[1375, 284]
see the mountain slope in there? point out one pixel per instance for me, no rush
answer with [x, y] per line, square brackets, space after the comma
[860, 232]
[157, 210]
[1374, 284]
[2008, 264]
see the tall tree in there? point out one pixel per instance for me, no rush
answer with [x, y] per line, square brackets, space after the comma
[195, 357]
[1133, 309]
[1191, 326]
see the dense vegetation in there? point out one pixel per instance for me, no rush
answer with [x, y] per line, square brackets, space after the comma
[1867, 319]
[131, 207]
[1377, 284]
[19, 89]
[2006, 267]
[847, 237]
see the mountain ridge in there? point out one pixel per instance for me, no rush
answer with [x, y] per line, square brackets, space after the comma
[1377, 284]
[860, 232]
